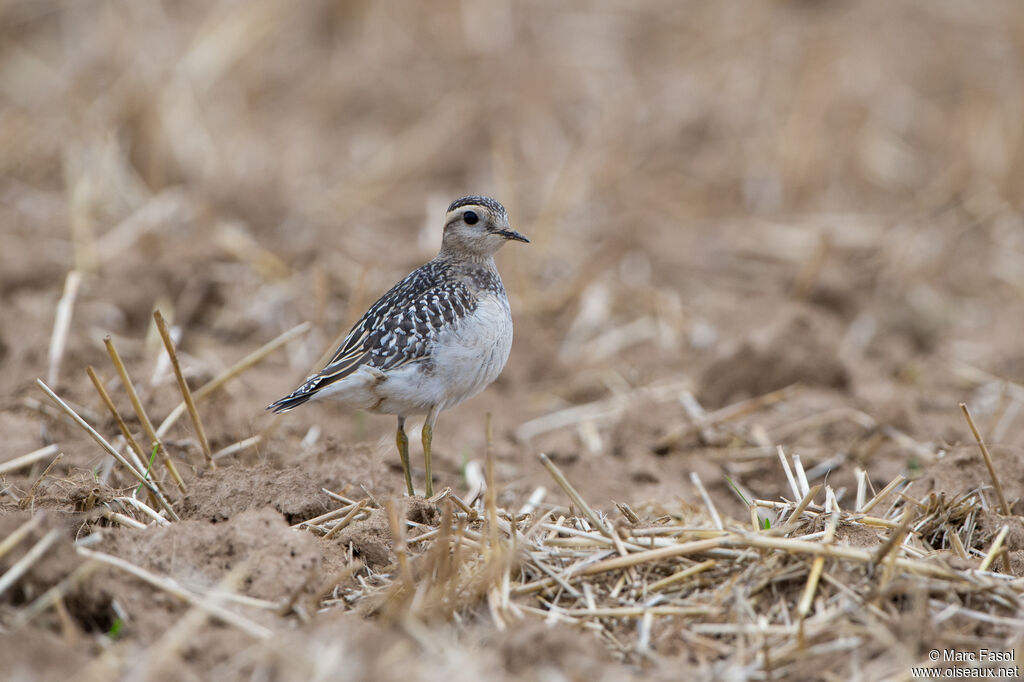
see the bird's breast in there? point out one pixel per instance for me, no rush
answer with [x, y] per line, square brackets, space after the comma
[472, 355]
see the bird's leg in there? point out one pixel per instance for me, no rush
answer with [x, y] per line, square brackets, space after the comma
[402, 441]
[428, 435]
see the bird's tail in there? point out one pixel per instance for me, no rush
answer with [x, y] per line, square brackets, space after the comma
[356, 387]
[289, 402]
[295, 398]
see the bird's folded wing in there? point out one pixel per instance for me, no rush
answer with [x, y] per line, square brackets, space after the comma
[400, 327]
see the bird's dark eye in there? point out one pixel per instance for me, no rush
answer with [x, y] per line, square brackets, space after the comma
[470, 217]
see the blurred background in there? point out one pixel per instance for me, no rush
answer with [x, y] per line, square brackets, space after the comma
[724, 199]
[792, 223]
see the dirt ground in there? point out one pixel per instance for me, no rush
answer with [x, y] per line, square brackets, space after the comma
[817, 202]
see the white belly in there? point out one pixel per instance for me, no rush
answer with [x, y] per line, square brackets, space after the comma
[469, 358]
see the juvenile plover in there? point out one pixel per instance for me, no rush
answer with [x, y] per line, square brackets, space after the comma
[438, 337]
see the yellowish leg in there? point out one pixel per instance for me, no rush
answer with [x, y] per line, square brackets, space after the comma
[402, 441]
[428, 436]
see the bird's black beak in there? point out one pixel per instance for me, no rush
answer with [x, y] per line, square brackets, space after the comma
[512, 235]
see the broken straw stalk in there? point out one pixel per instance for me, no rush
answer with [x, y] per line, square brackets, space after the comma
[140, 412]
[135, 451]
[183, 386]
[62, 324]
[1004, 505]
[27, 460]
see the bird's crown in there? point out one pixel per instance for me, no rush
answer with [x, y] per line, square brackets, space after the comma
[476, 200]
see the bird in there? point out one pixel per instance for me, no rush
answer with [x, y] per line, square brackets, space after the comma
[436, 338]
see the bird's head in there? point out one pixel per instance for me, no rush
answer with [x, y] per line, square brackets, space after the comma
[476, 226]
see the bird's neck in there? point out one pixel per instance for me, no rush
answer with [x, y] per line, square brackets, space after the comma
[480, 271]
[457, 257]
